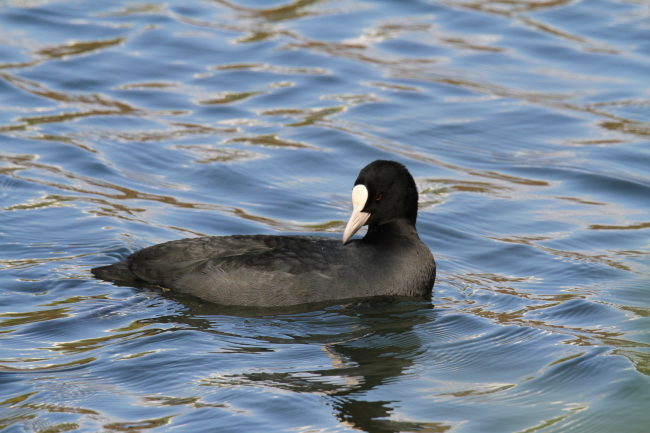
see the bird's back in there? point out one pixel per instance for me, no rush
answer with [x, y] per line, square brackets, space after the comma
[265, 270]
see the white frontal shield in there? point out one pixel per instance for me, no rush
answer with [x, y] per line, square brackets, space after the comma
[358, 218]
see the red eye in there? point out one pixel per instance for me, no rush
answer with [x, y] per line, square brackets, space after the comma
[379, 197]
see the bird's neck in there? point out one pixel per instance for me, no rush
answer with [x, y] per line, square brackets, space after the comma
[395, 229]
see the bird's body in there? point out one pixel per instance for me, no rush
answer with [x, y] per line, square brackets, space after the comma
[271, 271]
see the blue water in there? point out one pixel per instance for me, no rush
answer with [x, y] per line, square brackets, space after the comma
[526, 125]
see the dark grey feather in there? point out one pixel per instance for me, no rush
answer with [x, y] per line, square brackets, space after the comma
[264, 270]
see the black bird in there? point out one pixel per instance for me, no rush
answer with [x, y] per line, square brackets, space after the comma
[272, 271]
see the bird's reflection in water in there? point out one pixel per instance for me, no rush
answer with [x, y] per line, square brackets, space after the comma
[369, 343]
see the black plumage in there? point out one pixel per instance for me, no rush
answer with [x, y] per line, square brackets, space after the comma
[266, 270]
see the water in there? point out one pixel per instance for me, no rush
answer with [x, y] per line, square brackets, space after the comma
[526, 125]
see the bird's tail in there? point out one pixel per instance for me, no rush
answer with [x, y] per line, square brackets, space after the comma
[117, 271]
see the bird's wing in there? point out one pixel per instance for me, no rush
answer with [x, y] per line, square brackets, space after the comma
[204, 247]
[294, 271]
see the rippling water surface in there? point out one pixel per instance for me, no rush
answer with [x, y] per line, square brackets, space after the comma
[525, 123]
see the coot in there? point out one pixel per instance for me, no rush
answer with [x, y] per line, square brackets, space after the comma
[272, 271]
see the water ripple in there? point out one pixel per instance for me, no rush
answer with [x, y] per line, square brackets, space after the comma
[524, 123]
